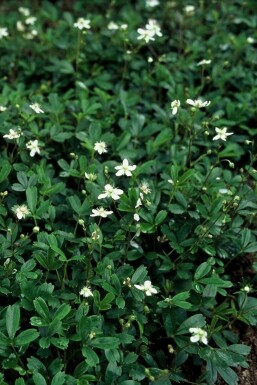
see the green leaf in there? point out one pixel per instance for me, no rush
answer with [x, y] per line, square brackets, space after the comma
[139, 275]
[19, 381]
[160, 217]
[39, 379]
[5, 170]
[42, 308]
[228, 375]
[63, 310]
[58, 379]
[62, 256]
[105, 303]
[202, 270]
[31, 195]
[91, 357]
[196, 321]
[12, 320]
[105, 342]
[26, 337]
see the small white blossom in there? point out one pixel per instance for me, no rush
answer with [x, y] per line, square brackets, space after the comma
[112, 26]
[3, 32]
[139, 203]
[151, 3]
[145, 35]
[110, 192]
[189, 10]
[13, 134]
[124, 26]
[204, 62]
[37, 108]
[32, 145]
[86, 292]
[250, 40]
[153, 27]
[144, 187]
[100, 212]
[30, 20]
[91, 176]
[136, 217]
[147, 288]
[21, 211]
[175, 106]
[246, 289]
[3, 108]
[20, 26]
[125, 169]
[100, 147]
[198, 103]
[82, 23]
[222, 133]
[198, 335]
[24, 11]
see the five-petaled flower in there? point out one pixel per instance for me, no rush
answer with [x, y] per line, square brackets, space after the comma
[13, 134]
[86, 292]
[21, 211]
[198, 103]
[100, 147]
[82, 23]
[147, 288]
[222, 133]
[32, 145]
[111, 192]
[125, 169]
[175, 106]
[37, 108]
[198, 335]
[100, 212]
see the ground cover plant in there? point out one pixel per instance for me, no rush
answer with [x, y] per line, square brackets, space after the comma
[128, 191]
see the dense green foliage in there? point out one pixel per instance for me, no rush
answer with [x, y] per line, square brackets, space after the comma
[154, 121]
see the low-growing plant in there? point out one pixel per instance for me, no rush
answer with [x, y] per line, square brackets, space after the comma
[128, 192]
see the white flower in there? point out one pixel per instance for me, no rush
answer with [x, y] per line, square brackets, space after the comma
[151, 3]
[139, 203]
[250, 40]
[3, 32]
[30, 20]
[246, 289]
[153, 27]
[189, 10]
[100, 147]
[147, 288]
[21, 211]
[175, 106]
[125, 169]
[222, 133]
[13, 134]
[91, 176]
[136, 217]
[112, 26]
[86, 292]
[3, 108]
[145, 35]
[100, 212]
[204, 62]
[198, 103]
[20, 26]
[37, 108]
[82, 23]
[32, 145]
[144, 187]
[24, 11]
[110, 192]
[198, 335]
[124, 26]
